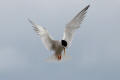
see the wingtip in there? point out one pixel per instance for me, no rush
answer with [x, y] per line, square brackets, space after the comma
[87, 7]
[29, 20]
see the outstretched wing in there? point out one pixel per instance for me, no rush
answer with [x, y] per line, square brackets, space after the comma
[44, 35]
[73, 25]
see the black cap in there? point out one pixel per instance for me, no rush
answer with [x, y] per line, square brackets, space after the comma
[64, 43]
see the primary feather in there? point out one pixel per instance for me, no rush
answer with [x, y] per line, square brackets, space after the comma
[73, 25]
[44, 35]
[56, 45]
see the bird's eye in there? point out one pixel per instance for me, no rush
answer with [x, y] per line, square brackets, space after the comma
[64, 43]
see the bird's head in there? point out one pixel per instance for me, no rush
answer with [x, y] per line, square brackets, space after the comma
[64, 43]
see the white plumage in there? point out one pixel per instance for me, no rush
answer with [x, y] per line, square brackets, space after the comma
[73, 25]
[59, 46]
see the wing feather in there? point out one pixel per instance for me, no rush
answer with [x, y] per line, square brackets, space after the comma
[44, 35]
[73, 25]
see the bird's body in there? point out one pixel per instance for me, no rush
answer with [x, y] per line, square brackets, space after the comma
[59, 45]
[57, 48]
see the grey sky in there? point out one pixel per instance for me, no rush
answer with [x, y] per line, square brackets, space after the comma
[95, 49]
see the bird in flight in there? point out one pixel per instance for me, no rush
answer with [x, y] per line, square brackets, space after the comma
[58, 46]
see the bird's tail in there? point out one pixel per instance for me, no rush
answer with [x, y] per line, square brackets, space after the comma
[53, 58]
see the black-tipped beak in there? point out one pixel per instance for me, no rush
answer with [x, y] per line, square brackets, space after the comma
[64, 51]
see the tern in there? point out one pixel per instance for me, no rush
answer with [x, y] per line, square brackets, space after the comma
[58, 46]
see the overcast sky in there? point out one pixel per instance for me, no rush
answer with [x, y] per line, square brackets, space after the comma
[95, 49]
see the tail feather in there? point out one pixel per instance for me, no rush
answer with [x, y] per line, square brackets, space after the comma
[53, 58]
